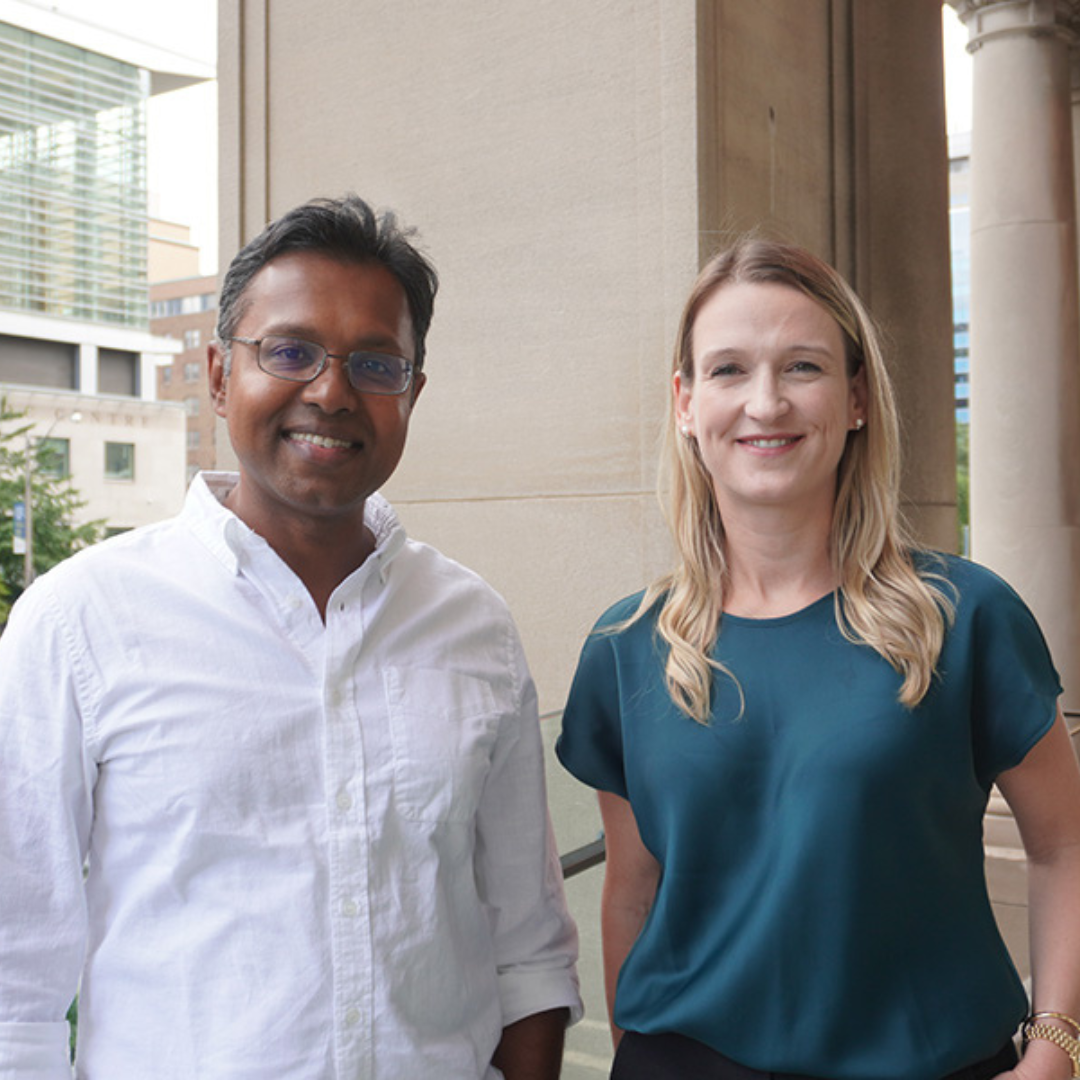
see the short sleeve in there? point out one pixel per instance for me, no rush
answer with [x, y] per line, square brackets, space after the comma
[1016, 685]
[590, 745]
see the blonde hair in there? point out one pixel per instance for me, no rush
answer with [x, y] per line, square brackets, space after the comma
[882, 600]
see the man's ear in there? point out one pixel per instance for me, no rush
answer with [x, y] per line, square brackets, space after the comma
[419, 379]
[219, 379]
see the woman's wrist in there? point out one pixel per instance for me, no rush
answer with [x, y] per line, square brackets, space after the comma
[1051, 1043]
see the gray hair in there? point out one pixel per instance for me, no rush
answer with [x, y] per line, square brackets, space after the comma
[346, 229]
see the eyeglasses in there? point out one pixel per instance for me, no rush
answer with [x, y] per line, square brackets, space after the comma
[302, 361]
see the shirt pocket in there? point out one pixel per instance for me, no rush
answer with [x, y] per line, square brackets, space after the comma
[443, 726]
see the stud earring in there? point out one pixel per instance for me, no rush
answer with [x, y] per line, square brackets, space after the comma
[685, 429]
[859, 424]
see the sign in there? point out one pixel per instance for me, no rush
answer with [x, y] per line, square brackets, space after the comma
[18, 534]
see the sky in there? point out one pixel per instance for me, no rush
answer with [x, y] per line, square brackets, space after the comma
[957, 73]
[182, 125]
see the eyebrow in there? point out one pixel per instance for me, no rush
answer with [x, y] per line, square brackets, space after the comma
[731, 352]
[371, 343]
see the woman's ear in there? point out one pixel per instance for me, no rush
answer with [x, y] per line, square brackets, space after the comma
[860, 395]
[682, 392]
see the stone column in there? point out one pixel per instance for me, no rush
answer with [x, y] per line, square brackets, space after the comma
[899, 175]
[87, 374]
[1025, 349]
[1074, 82]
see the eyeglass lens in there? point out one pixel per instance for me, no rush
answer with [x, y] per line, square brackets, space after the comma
[301, 361]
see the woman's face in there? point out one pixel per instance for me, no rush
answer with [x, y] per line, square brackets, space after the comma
[771, 402]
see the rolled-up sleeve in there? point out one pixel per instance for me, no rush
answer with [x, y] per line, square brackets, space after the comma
[46, 781]
[518, 870]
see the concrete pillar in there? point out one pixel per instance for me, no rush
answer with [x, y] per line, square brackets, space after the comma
[1074, 84]
[900, 200]
[88, 368]
[845, 153]
[147, 376]
[1025, 378]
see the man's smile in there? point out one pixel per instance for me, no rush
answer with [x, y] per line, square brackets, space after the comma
[327, 441]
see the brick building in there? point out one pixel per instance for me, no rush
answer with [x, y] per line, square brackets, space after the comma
[186, 309]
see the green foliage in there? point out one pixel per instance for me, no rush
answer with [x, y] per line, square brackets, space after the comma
[963, 482]
[55, 503]
[73, 1024]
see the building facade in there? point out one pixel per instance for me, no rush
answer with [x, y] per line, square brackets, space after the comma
[568, 170]
[186, 309]
[960, 260]
[74, 310]
[119, 450]
[569, 167]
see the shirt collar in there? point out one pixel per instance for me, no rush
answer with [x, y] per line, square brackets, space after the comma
[228, 538]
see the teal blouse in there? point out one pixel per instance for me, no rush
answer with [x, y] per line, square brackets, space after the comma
[822, 906]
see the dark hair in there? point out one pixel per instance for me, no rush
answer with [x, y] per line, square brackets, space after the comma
[346, 229]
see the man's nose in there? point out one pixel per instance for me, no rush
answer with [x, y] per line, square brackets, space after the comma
[331, 390]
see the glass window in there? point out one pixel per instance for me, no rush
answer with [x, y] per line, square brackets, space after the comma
[191, 406]
[163, 309]
[191, 339]
[54, 458]
[118, 372]
[192, 305]
[192, 372]
[73, 157]
[119, 461]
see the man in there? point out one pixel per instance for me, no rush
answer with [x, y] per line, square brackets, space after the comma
[297, 752]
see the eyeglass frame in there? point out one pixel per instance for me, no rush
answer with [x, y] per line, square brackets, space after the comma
[410, 366]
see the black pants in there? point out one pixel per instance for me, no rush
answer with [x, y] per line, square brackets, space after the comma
[675, 1057]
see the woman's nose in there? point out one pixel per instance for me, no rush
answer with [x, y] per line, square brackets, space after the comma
[767, 400]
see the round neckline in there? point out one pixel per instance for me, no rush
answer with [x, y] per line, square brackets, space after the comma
[777, 620]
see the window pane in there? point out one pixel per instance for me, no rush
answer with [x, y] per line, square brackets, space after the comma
[73, 159]
[54, 458]
[119, 461]
[118, 372]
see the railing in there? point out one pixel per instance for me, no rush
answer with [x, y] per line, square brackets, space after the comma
[583, 858]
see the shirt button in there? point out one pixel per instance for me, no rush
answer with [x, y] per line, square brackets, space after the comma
[352, 1017]
[349, 908]
[344, 800]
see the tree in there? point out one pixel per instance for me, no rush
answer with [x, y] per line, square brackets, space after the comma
[56, 533]
[963, 483]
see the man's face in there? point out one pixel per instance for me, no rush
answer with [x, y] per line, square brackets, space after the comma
[311, 453]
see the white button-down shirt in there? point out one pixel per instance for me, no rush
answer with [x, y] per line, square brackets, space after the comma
[313, 851]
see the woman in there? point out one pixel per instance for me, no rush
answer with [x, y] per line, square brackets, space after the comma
[795, 733]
